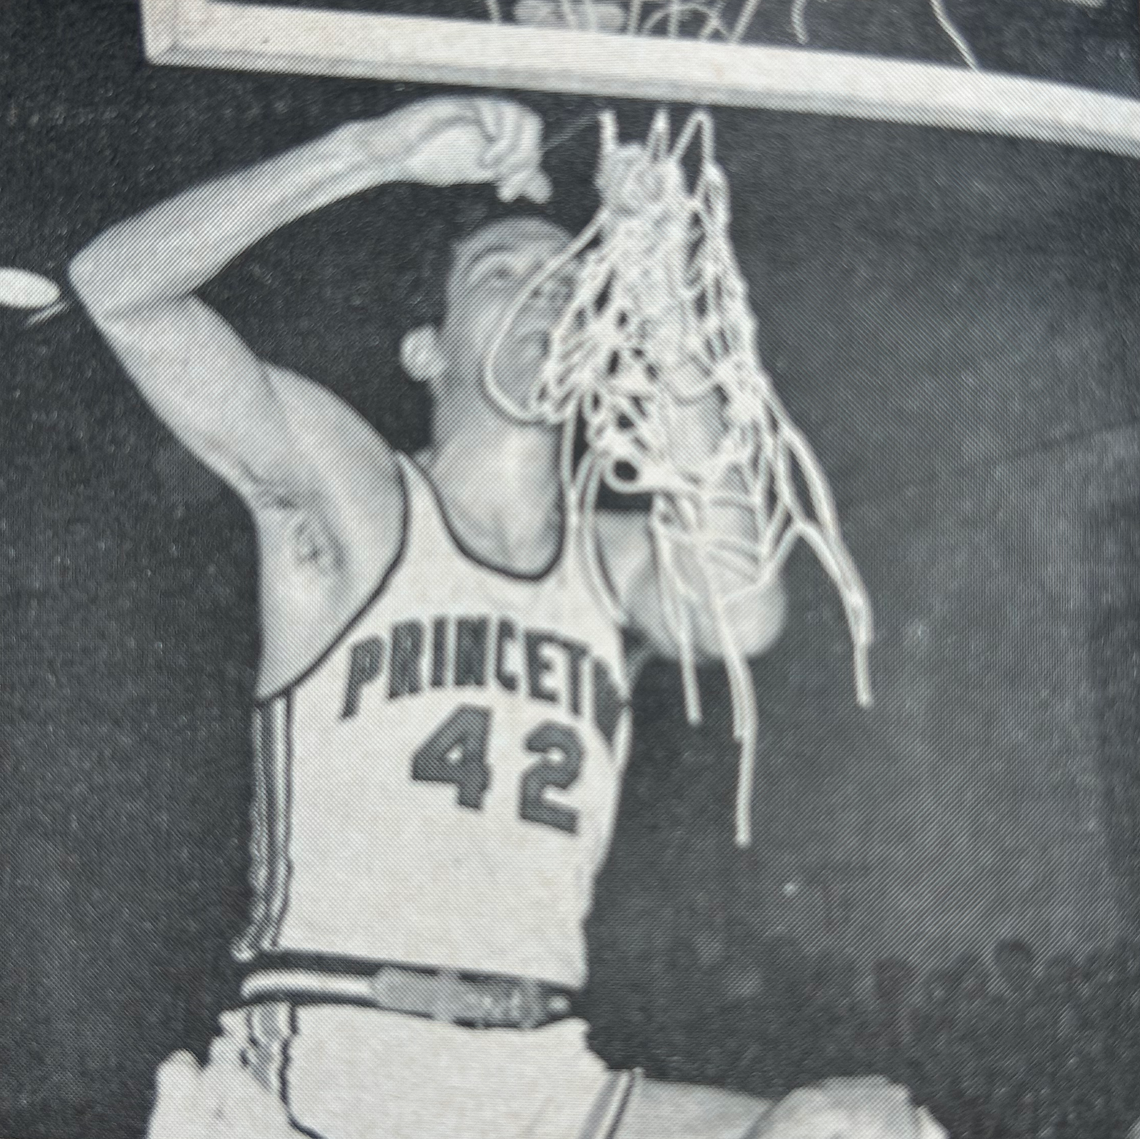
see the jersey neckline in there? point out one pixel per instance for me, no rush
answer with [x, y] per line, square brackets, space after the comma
[465, 551]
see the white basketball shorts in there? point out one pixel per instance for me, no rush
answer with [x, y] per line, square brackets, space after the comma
[344, 1072]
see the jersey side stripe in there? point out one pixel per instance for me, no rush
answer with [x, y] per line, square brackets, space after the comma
[282, 766]
[245, 946]
[269, 843]
[269, 1029]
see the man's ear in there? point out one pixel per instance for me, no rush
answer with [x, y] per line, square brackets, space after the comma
[421, 354]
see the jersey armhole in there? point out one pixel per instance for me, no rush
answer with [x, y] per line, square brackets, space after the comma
[373, 596]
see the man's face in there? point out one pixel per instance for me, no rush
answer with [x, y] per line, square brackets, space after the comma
[491, 271]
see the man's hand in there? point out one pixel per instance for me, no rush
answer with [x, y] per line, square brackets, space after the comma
[866, 1108]
[453, 139]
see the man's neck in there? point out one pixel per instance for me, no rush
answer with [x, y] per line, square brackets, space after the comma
[501, 491]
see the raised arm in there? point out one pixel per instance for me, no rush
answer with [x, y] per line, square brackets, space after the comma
[754, 615]
[138, 279]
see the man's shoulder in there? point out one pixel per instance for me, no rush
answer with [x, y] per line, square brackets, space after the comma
[322, 562]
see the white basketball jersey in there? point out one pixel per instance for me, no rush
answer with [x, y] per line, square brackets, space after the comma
[439, 788]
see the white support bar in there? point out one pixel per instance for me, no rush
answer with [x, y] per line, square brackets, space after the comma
[207, 33]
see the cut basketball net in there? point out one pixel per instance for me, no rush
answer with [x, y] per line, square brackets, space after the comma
[660, 322]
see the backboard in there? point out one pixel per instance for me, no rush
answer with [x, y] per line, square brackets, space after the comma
[938, 885]
[703, 53]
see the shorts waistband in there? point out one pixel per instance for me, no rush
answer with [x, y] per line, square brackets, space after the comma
[470, 1000]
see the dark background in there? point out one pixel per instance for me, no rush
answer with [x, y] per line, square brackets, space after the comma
[1074, 42]
[945, 887]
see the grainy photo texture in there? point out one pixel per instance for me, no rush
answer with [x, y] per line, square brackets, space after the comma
[568, 569]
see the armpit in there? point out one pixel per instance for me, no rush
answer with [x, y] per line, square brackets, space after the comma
[309, 538]
[267, 494]
[314, 544]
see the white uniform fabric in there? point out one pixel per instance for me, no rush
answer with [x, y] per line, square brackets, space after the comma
[440, 787]
[353, 1073]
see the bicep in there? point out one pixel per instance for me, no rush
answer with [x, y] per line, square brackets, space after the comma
[213, 392]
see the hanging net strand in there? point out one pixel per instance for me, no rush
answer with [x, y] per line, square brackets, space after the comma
[660, 319]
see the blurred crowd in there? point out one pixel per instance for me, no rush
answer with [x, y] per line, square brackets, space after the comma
[1005, 1044]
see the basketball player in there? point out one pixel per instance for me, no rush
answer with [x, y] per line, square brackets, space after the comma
[442, 699]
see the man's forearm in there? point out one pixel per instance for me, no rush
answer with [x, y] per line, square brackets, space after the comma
[177, 246]
[696, 429]
[754, 608]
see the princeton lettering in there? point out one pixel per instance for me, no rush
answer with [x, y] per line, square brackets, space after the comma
[481, 651]
[539, 665]
[439, 652]
[407, 649]
[363, 667]
[471, 651]
[507, 636]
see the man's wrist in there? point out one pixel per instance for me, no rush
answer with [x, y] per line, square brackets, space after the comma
[363, 162]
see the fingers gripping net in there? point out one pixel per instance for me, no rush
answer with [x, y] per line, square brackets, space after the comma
[658, 338]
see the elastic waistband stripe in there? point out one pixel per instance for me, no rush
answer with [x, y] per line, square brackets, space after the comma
[307, 982]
